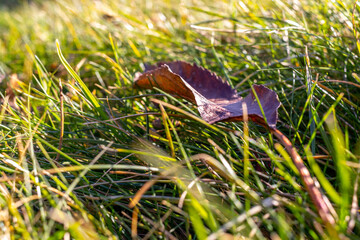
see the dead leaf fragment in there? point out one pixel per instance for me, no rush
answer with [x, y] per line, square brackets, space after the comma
[216, 100]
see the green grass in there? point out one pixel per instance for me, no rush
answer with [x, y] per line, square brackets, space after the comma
[84, 155]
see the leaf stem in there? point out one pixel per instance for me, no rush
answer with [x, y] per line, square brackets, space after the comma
[316, 196]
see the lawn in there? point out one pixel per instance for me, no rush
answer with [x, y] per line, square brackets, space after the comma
[85, 154]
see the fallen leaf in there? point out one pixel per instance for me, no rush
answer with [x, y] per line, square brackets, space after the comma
[216, 100]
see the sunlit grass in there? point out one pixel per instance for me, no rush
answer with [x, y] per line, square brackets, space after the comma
[84, 155]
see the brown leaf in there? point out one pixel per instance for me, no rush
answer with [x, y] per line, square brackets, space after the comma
[216, 99]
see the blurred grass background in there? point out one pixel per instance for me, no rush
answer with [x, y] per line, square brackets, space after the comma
[78, 142]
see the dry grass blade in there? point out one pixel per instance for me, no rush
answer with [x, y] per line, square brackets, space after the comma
[62, 119]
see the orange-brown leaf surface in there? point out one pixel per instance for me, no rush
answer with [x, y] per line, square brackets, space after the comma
[216, 99]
